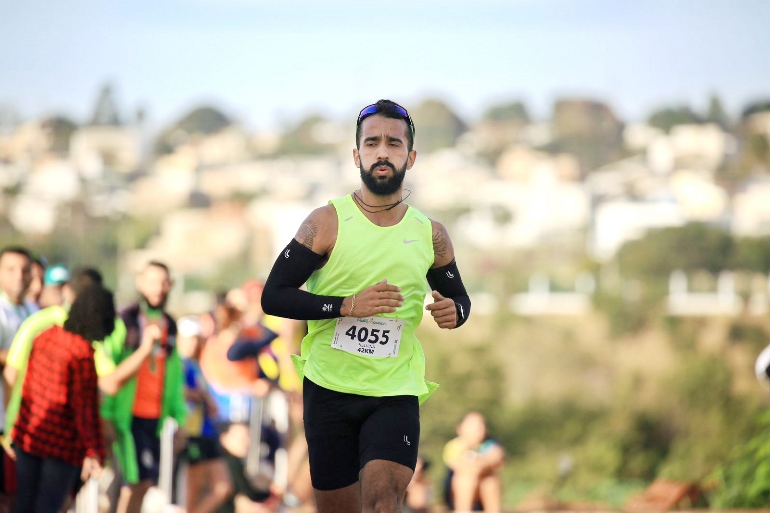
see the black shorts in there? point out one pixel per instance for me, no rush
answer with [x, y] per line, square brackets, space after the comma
[147, 443]
[345, 431]
[200, 449]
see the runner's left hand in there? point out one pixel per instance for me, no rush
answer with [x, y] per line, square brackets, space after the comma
[443, 311]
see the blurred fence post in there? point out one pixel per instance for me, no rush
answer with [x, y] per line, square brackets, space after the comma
[87, 500]
[166, 479]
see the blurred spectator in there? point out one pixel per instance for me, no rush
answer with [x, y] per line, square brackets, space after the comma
[288, 331]
[110, 377]
[250, 494]
[208, 479]
[474, 463]
[37, 272]
[139, 409]
[35, 324]
[232, 382]
[57, 436]
[56, 277]
[299, 496]
[419, 493]
[15, 264]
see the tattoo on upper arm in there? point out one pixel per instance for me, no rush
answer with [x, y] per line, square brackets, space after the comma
[307, 232]
[440, 242]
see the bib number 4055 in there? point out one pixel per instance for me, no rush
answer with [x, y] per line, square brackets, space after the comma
[368, 336]
[364, 334]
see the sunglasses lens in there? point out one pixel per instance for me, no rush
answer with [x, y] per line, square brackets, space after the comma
[374, 109]
[367, 111]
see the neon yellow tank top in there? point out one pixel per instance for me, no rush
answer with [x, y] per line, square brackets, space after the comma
[363, 255]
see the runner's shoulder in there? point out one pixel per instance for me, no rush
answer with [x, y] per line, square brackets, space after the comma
[318, 231]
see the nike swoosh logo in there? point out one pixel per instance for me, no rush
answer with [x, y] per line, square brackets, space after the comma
[409, 241]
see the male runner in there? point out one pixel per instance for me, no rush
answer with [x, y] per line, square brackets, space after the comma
[365, 258]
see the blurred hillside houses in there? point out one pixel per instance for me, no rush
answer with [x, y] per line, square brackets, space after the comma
[219, 194]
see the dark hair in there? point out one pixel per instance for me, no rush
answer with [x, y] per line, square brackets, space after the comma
[82, 278]
[17, 250]
[155, 263]
[40, 260]
[92, 314]
[388, 109]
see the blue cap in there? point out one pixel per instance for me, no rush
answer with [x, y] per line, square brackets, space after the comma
[57, 274]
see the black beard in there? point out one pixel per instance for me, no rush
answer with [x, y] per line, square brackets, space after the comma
[383, 187]
[160, 306]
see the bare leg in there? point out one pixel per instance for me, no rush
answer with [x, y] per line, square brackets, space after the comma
[342, 500]
[132, 496]
[216, 474]
[491, 493]
[195, 480]
[465, 485]
[301, 486]
[383, 486]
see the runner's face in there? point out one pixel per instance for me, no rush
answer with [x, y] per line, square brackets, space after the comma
[15, 275]
[154, 284]
[383, 156]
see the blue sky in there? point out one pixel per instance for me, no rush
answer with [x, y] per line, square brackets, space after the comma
[267, 62]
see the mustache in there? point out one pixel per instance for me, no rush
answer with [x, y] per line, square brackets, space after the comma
[383, 163]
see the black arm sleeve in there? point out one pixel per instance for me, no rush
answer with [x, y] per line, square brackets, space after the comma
[246, 348]
[282, 296]
[447, 281]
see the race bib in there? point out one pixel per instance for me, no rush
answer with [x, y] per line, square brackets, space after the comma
[368, 336]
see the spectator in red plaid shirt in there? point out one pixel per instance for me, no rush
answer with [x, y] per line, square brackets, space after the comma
[57, 436]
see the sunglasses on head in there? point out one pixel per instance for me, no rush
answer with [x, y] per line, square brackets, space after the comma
[375, 108]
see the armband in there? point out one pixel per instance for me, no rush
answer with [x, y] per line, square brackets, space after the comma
[447, 281]
[282, 296]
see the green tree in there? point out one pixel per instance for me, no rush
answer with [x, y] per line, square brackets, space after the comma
[669, 117]
[513, 111]
[692, 247]
[752, 254]
[716, 112]
[437, 126]
[59, 129]
[587, 129]
[303, 138]
[744, 480]
[755, 107]
[203, 120]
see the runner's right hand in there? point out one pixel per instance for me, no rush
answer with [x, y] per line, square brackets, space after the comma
[377, 299]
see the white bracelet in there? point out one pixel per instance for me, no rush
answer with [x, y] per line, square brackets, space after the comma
[352, 305]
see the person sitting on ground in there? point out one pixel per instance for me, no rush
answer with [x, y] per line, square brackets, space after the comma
[250, 494]
[419, 493]
[474, 461]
